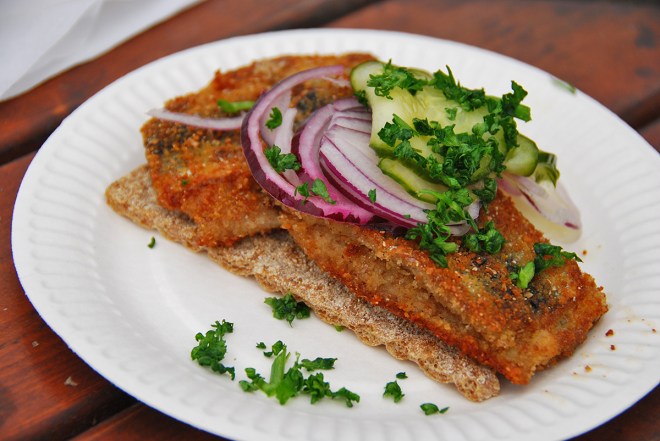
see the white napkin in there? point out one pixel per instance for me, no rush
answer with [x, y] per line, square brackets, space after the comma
[40, 38]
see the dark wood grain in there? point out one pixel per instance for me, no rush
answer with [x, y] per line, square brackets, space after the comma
[46, 391]
[139, 423]
[28, 119]
[651, 132]
[609, 50]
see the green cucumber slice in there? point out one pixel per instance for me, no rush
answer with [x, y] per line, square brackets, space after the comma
[431, 104]
[523, 159]
[409, 180]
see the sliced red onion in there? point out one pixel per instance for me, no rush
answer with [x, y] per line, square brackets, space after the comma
[282, 102]
[273, 182]
[221, 124]
[351, 164]
[553, 202]
[341, 82]
[283, 139]
[507, 184]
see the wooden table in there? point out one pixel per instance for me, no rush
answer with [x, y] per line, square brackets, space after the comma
[609, 50]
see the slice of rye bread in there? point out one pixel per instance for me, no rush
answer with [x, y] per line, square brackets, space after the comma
[279, 265]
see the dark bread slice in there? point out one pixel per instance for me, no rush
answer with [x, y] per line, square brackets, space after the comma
[279, 265]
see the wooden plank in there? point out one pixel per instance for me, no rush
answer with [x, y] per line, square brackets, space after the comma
[609, 50]
[46, 391]
[140, 422]
[28, 119]
[651, 132]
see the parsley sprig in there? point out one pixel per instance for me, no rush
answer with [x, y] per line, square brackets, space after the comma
[393, 390]
[274, 119]
[395, 77]
[286, 383]
[434, 235]
[547, 255]
[432, 409]
[287, 308]
[212, 348]
[281, 161]
[318, 188]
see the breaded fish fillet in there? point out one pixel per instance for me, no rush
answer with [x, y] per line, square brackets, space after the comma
[279, 265]
[203, 173]
[472, 304]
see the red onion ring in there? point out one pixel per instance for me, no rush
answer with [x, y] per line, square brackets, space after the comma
[274, 183]
[221, 124]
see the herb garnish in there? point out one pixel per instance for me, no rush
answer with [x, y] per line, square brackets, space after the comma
[434, 234]
[212, 348]
[152, 242]
[287, 308]
[460, 161]
[395, 76]
[285, 384]
[372, 195]
[432, 409]
[487, 239]
[275, 119]
[547, 255]
[392, 389]
[235, 106]
[281, 161]
[318, 188]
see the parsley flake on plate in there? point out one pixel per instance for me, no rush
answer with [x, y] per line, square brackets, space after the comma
[393, 390]
[432, 409]
[212, 348]
[286, 383]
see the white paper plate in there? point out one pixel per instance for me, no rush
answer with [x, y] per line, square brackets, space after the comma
[131, 312]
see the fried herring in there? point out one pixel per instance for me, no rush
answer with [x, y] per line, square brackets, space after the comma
[472, 304]
[203, 173]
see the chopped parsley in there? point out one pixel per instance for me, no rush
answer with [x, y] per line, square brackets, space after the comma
[275, 118]
[547, 255]
[465, 162]
[281, 161]
[152, 242]
[284, 384]
[401, 376]
[467, 99]
[435, 233]
[212, 348]
[234, 106]
[432, 409]
[372, 195]
[318, 188]
[524, 275]
[287, 308]
[393, 77]
[393, 390]
[487, 239]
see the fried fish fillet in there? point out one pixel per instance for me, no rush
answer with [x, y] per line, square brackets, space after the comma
[279, 265]
[472, 304]
[203, 173]
[199, 192]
